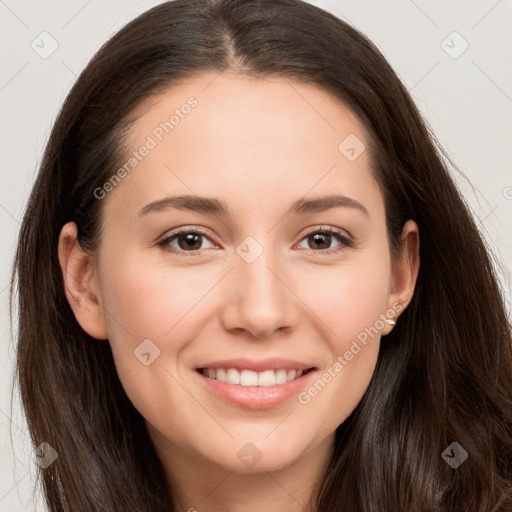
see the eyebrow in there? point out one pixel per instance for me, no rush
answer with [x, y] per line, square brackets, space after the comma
[219, 207]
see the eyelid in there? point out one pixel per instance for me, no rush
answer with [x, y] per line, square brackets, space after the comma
[330, 229]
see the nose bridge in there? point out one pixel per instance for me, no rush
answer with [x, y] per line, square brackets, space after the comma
[259, 301]
[258, 283]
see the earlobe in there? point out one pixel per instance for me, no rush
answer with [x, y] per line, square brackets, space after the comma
[81, 285]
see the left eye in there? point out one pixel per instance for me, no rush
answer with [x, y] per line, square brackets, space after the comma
[324, 238]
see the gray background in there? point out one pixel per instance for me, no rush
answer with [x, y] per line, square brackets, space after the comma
[467, 100]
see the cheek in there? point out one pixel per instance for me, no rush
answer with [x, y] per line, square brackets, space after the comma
[349, 301]
[347, 298]
[144, 300]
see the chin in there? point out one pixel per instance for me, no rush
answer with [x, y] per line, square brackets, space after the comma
[258, 455]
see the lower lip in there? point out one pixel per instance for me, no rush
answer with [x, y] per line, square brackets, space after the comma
[256, 397]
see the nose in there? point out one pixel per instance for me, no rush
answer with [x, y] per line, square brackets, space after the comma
[259, 298]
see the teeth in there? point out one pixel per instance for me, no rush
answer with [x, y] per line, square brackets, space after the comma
[250, 378]
[266, 378]
[232, 376]
[247, 378]
[281, 376]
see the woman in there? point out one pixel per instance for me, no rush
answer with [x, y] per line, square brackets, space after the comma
[185, 344]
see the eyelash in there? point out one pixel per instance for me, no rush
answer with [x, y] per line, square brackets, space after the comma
[345, 242]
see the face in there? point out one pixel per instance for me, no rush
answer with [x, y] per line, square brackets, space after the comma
[273, 275]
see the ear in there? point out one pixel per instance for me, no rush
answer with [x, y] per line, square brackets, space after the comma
[81, 283]
[404, 272]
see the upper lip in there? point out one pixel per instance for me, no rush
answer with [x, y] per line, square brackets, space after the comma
[274, 363]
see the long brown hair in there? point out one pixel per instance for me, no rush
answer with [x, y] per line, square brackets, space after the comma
[443, 374]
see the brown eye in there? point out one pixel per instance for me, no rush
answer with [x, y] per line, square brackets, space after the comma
[185, 241]
[189, 241]
[320, 241]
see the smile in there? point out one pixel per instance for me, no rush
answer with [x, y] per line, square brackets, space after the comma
[255, 384]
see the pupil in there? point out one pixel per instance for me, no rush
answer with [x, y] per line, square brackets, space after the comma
[318, 239]
[190, 240]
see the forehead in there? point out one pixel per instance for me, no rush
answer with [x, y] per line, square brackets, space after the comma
[265, 109]
[241, 137]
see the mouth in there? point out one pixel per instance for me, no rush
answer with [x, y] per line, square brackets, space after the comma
[264, 386]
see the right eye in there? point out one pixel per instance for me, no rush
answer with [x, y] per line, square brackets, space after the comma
[189, 241]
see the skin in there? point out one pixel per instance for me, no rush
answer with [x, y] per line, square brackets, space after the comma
[258, 145]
